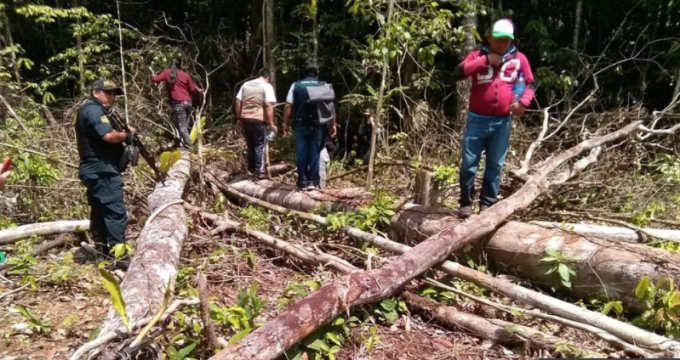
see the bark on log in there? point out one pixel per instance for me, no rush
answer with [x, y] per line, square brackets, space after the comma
[9, 236]
[300, 320]
[611, 232]
[290, 196]
[156, 258]
[611, 329]
[602, 267]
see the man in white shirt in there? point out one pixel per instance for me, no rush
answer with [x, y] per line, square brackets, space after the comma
[254, 108]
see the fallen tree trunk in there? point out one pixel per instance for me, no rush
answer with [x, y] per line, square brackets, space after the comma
[301, 319]
[610, 232]
[12, 235]
[156, 258]
[609, 329]
[603, 267]
[289, 196]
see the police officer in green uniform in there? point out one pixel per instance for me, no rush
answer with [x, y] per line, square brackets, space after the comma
[101, 146]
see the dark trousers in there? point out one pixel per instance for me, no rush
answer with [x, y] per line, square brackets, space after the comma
[183, 112]
[108, 215]
[308, 144]
[490, 135]
[256, 138]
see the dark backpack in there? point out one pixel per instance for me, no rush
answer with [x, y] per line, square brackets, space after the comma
[321, 104]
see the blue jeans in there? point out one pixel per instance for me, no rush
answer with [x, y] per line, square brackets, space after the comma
[492, 135]
[308, 144]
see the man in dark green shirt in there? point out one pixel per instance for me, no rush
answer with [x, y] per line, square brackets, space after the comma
[101, 147]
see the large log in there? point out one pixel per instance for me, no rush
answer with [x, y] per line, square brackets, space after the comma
[612, 232]
[13, 235]
[156, 258]
[301, 319]
[611, 269]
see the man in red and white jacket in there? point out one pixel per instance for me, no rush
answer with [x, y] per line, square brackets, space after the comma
[494, 71]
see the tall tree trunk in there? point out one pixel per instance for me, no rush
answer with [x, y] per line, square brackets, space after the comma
[463, 87]
[381, 98]
[10, 44]
[79, 44]
[677, 84]
[269, 38]
[577, 24]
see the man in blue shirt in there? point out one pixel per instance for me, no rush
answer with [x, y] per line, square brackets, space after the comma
[309, 139]
[102, 159]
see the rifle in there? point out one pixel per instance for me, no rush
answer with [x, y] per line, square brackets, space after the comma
[137, 142]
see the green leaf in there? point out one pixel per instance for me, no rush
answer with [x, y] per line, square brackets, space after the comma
[312, 285]
[617, 306]
[35, 322]
[318, 345]
[334, 338]
[169, 159]
[607, 308]
[674, 300]
[643, 287]
[514, 329]
[112, 286]
[239, 335]
[564, 271]
[185, 351]
[194, 130]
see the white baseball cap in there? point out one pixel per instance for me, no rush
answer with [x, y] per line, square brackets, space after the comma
[503, 28]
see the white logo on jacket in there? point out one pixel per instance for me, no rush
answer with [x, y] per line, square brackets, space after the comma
[508, 72]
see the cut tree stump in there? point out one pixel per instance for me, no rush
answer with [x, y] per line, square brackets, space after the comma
[426, 191]
[155, 261]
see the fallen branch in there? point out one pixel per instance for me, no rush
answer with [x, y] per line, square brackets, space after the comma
[573, 324]
[501, 286]
[216, 341]
[15, 116]
[12, 235]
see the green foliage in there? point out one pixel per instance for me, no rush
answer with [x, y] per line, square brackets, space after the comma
[220, 204]
[669, 167]
[255, 217]
[117, 301]
[445, 297]
[33, 321]
[388, 310]
[168, 160]
[122, 249]
[183, 352]
[324, 343]
[240, 317]
[33, 170]
[558, 264]
[645, 216]
[194, 130]
[374, 217]
[663, 300]
[296, 290]
[445, 175]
